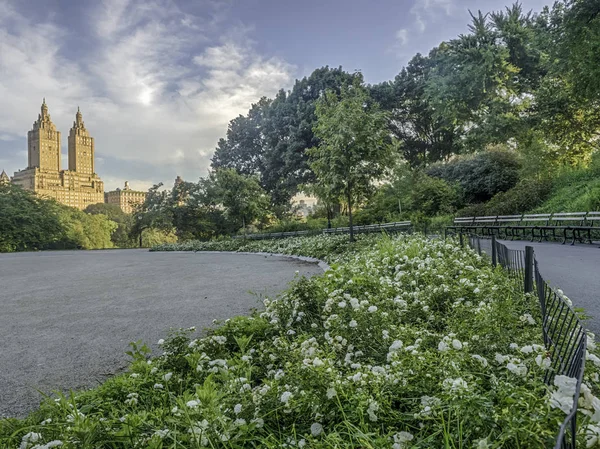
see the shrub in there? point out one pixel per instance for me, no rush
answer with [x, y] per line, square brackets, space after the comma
[481, 176]
[524, 197]
[433, 196]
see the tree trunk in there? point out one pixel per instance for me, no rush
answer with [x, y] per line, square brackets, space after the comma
[350, 216]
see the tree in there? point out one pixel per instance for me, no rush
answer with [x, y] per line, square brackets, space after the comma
[28, 222]
[121, 236]
[242, 197]
[154, 213]
[355, 145]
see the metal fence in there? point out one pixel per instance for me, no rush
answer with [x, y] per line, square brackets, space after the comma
[399, 226]
[563, 332]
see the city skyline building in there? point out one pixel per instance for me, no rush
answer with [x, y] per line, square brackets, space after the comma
[79, 186]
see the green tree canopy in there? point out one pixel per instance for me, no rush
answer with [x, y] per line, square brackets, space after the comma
[355, 146]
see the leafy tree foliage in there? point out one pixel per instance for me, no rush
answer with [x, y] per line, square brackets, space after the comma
[354, 148]
[481, 176]
[271, 141]
[121, 236]
[28, 222]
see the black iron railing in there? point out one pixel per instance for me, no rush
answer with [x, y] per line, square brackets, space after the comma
[563, 332]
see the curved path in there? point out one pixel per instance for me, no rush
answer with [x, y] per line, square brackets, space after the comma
[67, 317]
[574, 269]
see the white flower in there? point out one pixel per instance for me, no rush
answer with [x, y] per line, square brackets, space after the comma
[134, 375]
[240, 422]
[342, 304]
[167, 376]
[476, 291]
[592, 357]
[519, 369]
[372, 309]
[193, 403]
[592, 435]
[514, 346]
[562, 398]
[285, 397]
[457, 384]
[162, 433]
[400, 440]
[316, 429]
[353, 324]
[456, 344]
[161, 342]
[527, 349]
[237, 409]
[258, 421]
[31, 437]
[443, 346]
[373, 407]
[397, 344]
[480, 359]
[482, 444]
[158, 386]
[331, 393]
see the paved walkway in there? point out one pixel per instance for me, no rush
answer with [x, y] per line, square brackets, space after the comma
[67, 317]
[575, 270]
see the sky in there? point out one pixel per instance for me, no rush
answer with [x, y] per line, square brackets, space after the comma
[158, 81]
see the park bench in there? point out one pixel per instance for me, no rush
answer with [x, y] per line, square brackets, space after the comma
[574, 226]
[577, 224]
[529, 224]
[460, 225]
[503, 224]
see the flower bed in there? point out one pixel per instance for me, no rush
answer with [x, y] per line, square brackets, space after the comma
[405, 343]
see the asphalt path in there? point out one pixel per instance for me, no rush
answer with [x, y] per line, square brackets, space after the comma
[575, 270]
[67, 317]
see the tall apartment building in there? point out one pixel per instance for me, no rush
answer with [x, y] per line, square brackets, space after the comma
[79, 186]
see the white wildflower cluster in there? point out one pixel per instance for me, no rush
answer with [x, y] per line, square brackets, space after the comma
[399, 333]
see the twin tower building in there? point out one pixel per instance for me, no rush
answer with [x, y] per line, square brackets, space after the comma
[79, 186]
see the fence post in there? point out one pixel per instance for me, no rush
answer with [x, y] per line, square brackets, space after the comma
[460, 237]
[494, 252]
[478, 246]
[528, 269]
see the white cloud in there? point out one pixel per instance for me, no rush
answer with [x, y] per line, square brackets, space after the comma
[402, 37]
[155, 91]
[427, 11]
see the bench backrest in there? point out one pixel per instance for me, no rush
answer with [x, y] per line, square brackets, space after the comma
[592, 219]
[485, 220]
[464, 220]
[505, 219]
[536, 218]
[571, 218]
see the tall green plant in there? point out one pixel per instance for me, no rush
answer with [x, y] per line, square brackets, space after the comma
[355, 147]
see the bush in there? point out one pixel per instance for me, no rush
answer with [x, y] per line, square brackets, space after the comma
[433, 196]
[481, 176]
[524, 197]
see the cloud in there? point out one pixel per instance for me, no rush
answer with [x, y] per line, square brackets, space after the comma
[156, 85]
[402, 37]
[427, 11]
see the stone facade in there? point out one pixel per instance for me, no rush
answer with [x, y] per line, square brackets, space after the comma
[79, 186]
[126, 198]
[4, 179]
